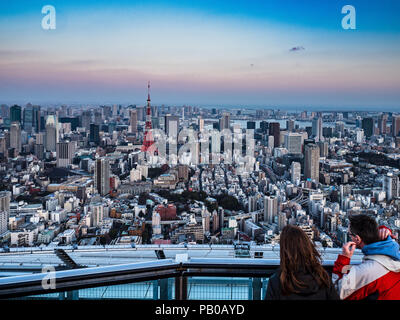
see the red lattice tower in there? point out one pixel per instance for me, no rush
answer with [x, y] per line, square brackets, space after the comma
[148, 137]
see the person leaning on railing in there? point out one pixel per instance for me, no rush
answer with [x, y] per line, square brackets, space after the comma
[301, 275]
[378, 276]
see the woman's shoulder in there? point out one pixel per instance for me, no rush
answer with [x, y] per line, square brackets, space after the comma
[274, 278]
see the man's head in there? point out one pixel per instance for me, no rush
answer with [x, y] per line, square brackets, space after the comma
[363, 230]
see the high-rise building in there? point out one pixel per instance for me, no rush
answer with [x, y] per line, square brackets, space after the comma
[311, 162]
[94, 134]
[317, 129]
[205, 219]
[294, 142]
[201, 124]
[3, 222]
[382, 123]
[102, 176]
[270, 208]
[98, 118]
[264, 126]
[396, 126]
[323, 149]
[4, 111]
[275, 131]
[368, 126]
[5, 198]
[28, 118]
[65, 153]
[86, 119]
[282, 221]
[359, 135]
[391, 186]
[251, 125]
[225, 121]
[296, 172]
[97, 214]
[172, 126]
[15, 114]
[252, 203]
[141, 114]
[290, 125]
[107, 112]
[15, 136]
[74, 121]
[51, 133]
[133, 121]
[339, 129]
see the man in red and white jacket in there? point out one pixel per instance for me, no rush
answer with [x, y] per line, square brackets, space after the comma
[378, 276]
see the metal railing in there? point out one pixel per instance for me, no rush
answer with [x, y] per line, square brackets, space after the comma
[164, 279]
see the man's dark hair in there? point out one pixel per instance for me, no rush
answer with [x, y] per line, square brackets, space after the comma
[365, 227]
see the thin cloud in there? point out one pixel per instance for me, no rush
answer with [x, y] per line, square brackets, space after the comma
[296, 49]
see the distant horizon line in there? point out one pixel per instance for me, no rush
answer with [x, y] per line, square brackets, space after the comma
[220, 106]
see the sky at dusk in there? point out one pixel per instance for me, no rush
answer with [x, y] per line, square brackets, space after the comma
[200, 52]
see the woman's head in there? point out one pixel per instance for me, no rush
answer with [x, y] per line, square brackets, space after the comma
[298, 254]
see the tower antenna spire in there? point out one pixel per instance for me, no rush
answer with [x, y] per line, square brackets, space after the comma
[148, 91]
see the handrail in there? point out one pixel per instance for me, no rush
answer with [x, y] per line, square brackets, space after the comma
[75, 279]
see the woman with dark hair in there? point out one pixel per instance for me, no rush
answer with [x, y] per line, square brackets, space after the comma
[301, 275]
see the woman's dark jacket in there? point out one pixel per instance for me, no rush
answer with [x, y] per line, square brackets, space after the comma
[311, 292]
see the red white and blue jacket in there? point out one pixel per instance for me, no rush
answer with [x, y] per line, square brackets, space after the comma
[378, 274]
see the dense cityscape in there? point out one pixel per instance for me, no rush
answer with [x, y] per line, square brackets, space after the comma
[81, 175]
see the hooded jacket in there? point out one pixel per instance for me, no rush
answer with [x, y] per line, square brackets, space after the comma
[311, 292]
[377, 277]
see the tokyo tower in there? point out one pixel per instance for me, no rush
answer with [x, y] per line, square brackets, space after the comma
[148, 137]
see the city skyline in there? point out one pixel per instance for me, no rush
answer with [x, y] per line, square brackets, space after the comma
[290, 56]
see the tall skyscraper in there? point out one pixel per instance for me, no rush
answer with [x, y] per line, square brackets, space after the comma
[98, 118]
[317, 129]
[133, 121]
[294, 142]
[251, 125]
[141, 114]
[382, 123]
[15, 114]
[86, 119]
[264, 126]
[28, 118]
[201, 124]
[94, 134]
[225, 121]
[3, 222]
[323, 149]
[5, 111]
[296, 172]
[396, 126]
[15, 136]
[252, 203]
[290, 125]
[51, 133]
[5, 198]
[391, 186]
[65, 153]
[102, 176]
[311, 162]
[270, 208]
[275, 131]
[368, 126]
[172, 126]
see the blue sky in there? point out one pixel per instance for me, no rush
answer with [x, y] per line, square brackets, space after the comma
[202, 52]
